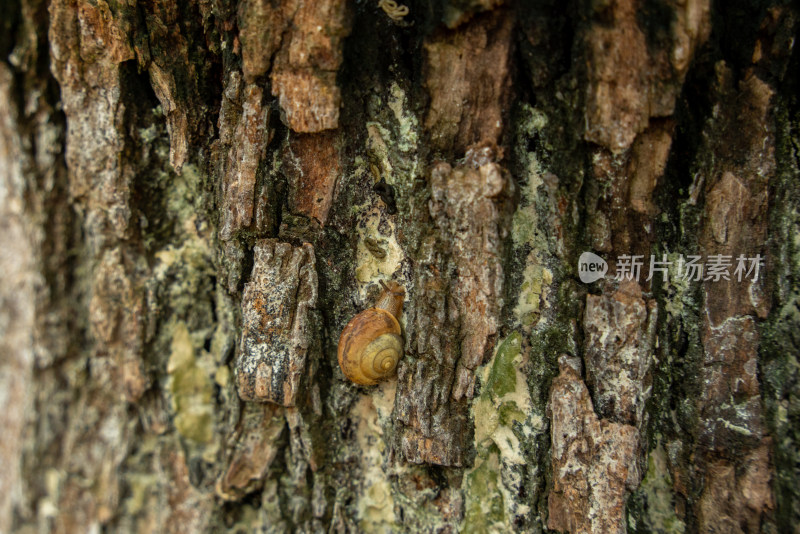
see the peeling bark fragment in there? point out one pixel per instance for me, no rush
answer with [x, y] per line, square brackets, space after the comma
[230, 109]
[89, 34]
[306, 444]
[311, 101]
[312, 165]
[463, 207]
[87, 49]
[433, 424]
[442, 449]
[173, 76]
[595, 461]
[256, 446]
[468, 79]
[736, 224]
[261, 27]
[278, 326]
[247, 144]
[617, 61]
[619, 332]
[646, 166]
[737, 195]
[626, 84]
[452, 334]
[304, 72]
[622, 207]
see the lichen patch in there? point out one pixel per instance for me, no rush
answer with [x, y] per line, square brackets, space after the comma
[191, 386]
[407, 123]
[375, 507]
[502, 415]
[372, 266]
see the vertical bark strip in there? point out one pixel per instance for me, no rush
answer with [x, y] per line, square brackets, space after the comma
[735, 224]
[595, 460]
[248, 139]
[196, 197]
[304, 74]
[278, 325]
[454, 336]
[17, 298]
[460, 274]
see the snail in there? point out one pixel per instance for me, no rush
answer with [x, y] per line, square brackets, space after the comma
[371, 344]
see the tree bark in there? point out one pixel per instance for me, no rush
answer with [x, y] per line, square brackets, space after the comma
[196, 197]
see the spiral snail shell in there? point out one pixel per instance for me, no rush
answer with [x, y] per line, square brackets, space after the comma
[371, 344]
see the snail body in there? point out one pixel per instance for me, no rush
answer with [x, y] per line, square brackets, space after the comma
[371, 344]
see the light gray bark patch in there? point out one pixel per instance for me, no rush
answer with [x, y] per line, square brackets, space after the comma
[278, 327]
[619, 332]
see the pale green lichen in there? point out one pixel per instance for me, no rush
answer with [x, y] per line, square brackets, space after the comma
[183, 200]
[48, 504]
[375, 506]
[659, 513]
[251, 519]
[502, 378]
[485, 510]
[182, 284]
[181, 275]
[503, 416]
[392, 141]
[536, 280]
[677, 286]
[191, 387]
[407, 123]
[370, 268]
[504, 401]
[735, 428]
[223, 376]
[530, 221]
[376, 133]
[184, 270]
[525, 226]
[141, 487]
[531, 121]
[149, 134]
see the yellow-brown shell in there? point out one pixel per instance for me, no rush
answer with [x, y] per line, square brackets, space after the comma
[370, 346]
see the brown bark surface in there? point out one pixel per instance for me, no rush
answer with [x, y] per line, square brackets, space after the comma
[196, 197]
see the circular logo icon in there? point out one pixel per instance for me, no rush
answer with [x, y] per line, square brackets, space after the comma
[591, 267]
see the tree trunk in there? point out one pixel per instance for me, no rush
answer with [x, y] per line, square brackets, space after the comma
[196, 198]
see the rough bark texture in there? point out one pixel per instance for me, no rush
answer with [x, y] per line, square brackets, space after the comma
[278, 331]
[196, 197]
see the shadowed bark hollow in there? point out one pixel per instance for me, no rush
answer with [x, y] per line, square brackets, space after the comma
[196, 197]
